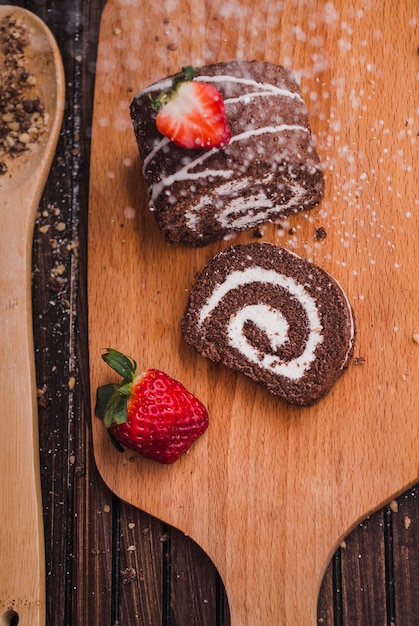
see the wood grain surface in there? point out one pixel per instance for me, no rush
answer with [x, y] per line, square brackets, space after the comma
[306, 475]
[373, 578]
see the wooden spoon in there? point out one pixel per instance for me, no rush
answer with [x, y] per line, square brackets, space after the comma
[22, 561]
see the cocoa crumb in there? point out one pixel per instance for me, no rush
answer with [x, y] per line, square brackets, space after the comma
[22, 116]
[41, 397]
[258, 233]
[128, 575]
[80, 470]
[320, 233]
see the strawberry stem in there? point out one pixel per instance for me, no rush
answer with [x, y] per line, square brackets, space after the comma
[188, 73]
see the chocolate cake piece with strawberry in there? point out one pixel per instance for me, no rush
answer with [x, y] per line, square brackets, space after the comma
[225, 147]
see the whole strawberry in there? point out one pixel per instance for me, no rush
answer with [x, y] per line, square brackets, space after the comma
[149, 412]
[192, 114]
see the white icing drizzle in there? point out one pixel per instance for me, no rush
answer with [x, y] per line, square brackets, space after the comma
[246, 97]
[270, 320]
[150, 156]
[166, 83]
[184, 173]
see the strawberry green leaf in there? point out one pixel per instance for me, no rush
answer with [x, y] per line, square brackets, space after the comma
[111, 406]
[189, 72]
[111, 400]
[159, 101]
[103, 397]
[116, 410]
[123, 365]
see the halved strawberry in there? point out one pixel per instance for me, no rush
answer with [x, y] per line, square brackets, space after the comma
[149, 412]
[192, 114]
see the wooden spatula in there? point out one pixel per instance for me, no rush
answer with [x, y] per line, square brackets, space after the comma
[22, 568]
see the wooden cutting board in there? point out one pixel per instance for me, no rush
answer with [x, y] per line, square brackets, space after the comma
[269, 490]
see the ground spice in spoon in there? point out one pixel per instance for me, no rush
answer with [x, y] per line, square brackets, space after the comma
[22, 116]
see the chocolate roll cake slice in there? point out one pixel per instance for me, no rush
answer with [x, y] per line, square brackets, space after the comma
[273, 316]
[268, 170]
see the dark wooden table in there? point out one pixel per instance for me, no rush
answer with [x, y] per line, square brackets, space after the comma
[109, 563]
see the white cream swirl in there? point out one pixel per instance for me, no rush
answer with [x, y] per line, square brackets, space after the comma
[237, 212]
[269, 320]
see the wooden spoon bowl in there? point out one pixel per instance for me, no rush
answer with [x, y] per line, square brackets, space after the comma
[22, 562]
